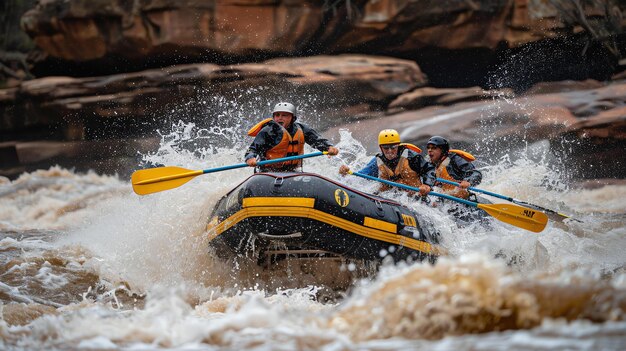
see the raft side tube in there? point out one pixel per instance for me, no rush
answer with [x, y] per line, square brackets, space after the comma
[305, 211]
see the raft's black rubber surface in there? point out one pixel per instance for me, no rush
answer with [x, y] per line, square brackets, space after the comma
[305, 211]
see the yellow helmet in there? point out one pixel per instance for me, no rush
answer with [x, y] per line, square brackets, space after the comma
[388, 136]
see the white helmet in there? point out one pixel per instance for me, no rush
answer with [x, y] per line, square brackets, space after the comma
[285, 107]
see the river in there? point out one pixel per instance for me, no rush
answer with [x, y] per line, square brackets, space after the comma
[88, 264]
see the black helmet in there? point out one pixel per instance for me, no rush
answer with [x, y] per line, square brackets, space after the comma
[440, 142]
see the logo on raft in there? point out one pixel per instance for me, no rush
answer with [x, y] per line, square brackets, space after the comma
[342, 198]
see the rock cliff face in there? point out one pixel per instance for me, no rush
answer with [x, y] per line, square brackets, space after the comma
[331, 85]
[80, 30]
[121, 69]
[455, 42]
[596, 145]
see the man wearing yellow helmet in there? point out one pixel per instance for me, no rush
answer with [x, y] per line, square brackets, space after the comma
[398, 162]
[281, 136]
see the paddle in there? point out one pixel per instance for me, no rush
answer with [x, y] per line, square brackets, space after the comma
[152, 180]
[518, 216]
[555, 215]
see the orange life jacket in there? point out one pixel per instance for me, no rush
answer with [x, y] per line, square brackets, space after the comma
[403, 173]
[288, 146]
[441, 171]
[412, 147]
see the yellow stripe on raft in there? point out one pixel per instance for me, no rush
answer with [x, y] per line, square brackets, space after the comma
[378, 224]
[306, 212]
[278, 201]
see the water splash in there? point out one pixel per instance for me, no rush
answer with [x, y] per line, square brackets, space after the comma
[471, 295]
[139, 274]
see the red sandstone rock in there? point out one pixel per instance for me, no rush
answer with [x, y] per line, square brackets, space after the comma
[336, 82]
[80, 30]
[524, 119]
[427, 96]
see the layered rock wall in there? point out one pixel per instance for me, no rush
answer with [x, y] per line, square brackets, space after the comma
[331, 85]
[119, 69]
[82, 30]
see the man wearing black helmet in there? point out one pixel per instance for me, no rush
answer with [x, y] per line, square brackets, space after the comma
[281, 136]
[453, 165]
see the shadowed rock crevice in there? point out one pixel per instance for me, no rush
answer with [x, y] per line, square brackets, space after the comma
[552, 60]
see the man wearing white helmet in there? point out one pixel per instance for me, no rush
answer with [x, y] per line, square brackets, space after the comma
[281, 136]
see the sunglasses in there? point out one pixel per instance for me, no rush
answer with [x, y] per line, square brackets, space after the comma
[389, 147]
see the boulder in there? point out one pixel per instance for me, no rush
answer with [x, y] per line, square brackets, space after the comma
[140, 102]
[586, 129]
[595, 145]
[427, 96]
[477, 127]
[563, 86]
[112, 156]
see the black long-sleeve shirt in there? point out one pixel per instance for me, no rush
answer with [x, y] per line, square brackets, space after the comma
[272, 133]
[461, 169]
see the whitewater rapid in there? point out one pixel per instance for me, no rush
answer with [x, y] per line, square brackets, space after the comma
[86, 263]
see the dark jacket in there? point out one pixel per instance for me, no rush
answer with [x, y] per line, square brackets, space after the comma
[416, 161]
[461, 169]
[270, 135]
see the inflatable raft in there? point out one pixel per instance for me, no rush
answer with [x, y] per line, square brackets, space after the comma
[272, 216]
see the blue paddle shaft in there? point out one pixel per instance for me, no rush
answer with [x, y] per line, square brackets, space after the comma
[507, 198]
[479, 190]
[448, 197]
[277, 160]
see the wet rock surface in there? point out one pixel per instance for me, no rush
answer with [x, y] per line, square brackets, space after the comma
[584, 127]
[78, 107]
[111, 70]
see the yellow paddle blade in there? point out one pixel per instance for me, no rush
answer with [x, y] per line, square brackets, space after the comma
[519, 216]
[152, 180]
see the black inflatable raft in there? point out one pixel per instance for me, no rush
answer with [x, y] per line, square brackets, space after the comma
[279, 215]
